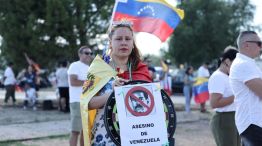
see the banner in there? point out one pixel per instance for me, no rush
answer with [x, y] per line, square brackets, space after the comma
[99, 74]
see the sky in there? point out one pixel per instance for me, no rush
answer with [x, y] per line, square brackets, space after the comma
[258, 13]
[155, 44]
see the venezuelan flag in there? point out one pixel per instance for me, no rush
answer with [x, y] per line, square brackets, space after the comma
[153, 16]
[200, 90]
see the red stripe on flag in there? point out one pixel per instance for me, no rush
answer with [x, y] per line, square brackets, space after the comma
[202, 97]
[145, 24]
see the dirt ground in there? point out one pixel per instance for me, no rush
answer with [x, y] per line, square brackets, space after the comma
[195, 133]
[187, 134]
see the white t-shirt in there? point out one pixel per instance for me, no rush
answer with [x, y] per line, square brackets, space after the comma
[248, 104]
[31, 93]
[10, 77]
[219, 83]
[203, 72]
[62, 77]
[79, 69]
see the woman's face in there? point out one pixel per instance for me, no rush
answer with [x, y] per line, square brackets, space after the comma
[30, 69]
[191, 70]
[122, 42]
[228, 65]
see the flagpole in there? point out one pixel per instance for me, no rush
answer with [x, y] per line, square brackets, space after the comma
[105, 50]
[113, 14]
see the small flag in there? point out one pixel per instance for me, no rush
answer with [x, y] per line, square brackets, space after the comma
[200, 90]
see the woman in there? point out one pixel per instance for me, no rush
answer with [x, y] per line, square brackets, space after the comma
[223, 122]
[30, 77]
[187, 89]
[125, 59]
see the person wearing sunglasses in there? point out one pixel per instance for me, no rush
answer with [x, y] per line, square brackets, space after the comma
[77, 74]
[246, 83]
[126, 60]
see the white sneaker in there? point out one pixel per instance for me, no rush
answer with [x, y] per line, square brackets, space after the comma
[25, 107]
[34, 108]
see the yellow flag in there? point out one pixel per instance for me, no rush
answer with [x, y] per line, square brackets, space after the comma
[99, 74]
[164, 66]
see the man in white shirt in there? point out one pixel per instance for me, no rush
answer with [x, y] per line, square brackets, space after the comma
[77, 74]
[246, 83]
[203, 72]
[63, 86]
[9, 82]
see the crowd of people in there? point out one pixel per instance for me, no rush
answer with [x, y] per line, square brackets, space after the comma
[27, 80]
[234, 88]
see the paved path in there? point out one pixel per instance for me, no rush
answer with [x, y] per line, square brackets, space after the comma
[50, 94]
[33, 130]
[42, 94]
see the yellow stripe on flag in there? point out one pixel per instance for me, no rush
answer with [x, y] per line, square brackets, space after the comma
[99, 73]
[200, 80]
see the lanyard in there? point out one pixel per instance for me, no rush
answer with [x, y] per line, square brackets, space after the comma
[129, 70]
[129, 64]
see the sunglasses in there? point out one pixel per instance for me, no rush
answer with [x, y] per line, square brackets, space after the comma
[259, 43]
[88, 53]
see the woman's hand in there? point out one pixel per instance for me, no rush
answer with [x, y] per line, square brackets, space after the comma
[119, 82]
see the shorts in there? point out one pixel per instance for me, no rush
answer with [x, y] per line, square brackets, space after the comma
[63, 92]
[75, 116]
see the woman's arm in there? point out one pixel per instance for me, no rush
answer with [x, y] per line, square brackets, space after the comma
[98, 101]
[217, 100]
[186, 79]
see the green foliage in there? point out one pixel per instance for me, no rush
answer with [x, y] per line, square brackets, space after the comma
[208, 27]
[35, 27]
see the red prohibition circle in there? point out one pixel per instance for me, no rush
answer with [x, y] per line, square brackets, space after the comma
[131, 95]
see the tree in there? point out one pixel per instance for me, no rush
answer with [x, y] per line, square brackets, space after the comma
[50, 30]
[17, 27]
[208, 27]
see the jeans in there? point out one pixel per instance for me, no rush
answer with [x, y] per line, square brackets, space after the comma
[187, 90]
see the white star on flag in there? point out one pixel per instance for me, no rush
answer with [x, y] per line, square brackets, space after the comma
[122, 1]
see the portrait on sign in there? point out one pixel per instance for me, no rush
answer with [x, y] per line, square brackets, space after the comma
[142, 100]
[139, 101]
